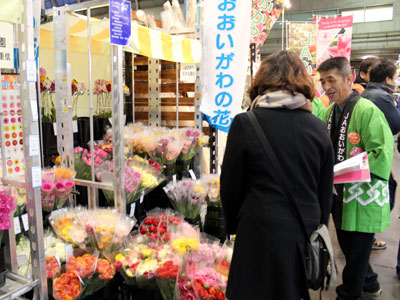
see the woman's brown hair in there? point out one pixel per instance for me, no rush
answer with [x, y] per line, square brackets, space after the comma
[282, 70]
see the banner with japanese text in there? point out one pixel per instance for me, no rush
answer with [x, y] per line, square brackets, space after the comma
[302, 40]
[334, 38]
[226, 32]
[264, 14]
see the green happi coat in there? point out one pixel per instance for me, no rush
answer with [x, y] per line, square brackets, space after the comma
[365, 207]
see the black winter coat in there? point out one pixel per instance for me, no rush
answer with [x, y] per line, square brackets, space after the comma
[380, 94]
[268, 260]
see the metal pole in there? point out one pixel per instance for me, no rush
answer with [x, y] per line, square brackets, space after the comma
[133, 88]
[32, 163]
[177, 94]
[283, 28]
[92, 201]
[287, 35]
[118, 132]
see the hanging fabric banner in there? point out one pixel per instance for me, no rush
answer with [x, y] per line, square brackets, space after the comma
[334, 38]
[302, 40]
[11, 11]
[225, 47]
[264, 14]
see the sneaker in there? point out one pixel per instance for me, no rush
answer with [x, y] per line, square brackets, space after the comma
[378, 245]
[373, 295]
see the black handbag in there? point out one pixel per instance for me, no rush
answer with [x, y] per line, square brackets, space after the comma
[319, 259]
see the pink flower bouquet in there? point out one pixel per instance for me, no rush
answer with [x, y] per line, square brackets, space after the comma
[164, 149]
[7, 206]
[187, 196]
[194, 140]
[83, 161]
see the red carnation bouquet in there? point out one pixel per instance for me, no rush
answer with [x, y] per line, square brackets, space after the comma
[166, 278]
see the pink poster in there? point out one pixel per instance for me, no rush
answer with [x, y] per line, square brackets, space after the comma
[334, 38]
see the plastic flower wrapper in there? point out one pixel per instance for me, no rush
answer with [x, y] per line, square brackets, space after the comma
[208, 283]
[187, 196]
[223, 261]
[67, 286]
[64, 183]
[148, 165]
[133, 181]
[53, 267]
[54, 246]
[184, 288]
[212, 182]
[67, 226]
[24, 251]
[146, 273]
[193, 142]
[137, 141]
[48, 190]
[165, 148]
[151, 176]
[184, 238]
[207, 252]
[20, 195]
[167, 274]
[156, 225]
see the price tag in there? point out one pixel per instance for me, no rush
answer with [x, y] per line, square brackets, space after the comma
[55, 128]
[17, 226]
[21, 259]
[25, 222]
[174, 178]
[188, 73]
[192, 174]
[69, 251]
[34, 145]
[133, 207]
[36, 176]
[31, 70]
[141, 198]
[75, 126]
[57, 258]
[34, 111]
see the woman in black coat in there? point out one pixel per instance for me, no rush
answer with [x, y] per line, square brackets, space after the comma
[268, 260]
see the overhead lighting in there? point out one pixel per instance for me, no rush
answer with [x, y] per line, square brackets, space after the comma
[288, 4]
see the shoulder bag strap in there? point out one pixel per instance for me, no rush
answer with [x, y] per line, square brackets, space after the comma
[278, 170]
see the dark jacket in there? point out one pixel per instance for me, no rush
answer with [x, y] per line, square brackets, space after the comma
[381, 95]
[268, 255]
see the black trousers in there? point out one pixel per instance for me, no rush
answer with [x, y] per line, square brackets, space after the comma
[357, 274]
[392, 190]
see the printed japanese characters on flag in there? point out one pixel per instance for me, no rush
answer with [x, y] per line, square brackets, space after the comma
[225, 51]
[264, 14]
[302, 40]
[334, 38]
[6, 45]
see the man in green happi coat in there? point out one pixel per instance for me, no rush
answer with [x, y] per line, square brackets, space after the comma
[360, 209]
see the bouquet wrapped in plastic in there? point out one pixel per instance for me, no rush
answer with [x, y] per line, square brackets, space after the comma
[167, 274]
[194, 140]
[164, 148]
[184, 288]
[67, 286]
[156, 225]
[83, 161]
[53, 267]
[212, 183]
[208, 283]
[127, 261]
[187, 196]
[184, 238]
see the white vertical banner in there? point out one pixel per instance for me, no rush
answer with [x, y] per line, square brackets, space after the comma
[6, 45]
[226, 38]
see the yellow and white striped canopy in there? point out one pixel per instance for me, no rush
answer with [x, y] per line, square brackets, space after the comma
[145, 41]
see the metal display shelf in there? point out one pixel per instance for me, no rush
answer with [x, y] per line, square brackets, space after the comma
[16, 286]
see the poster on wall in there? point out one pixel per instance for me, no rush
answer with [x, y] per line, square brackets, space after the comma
[334, 38]
[303, 40]
[12, 120]
[226, 40]
[264, 14]
[6, 45]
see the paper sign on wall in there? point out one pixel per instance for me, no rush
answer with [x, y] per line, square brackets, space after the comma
[188, 73]
[6, 45]
[120, 22]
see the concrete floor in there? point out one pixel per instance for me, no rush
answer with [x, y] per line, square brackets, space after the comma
[382, 261]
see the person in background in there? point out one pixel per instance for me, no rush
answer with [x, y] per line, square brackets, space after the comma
[269, 247]
[362, 78]
[359, 210]
[380, 91]
[318, 108]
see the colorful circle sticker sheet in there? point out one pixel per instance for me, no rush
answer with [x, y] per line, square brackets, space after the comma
[12, 121]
